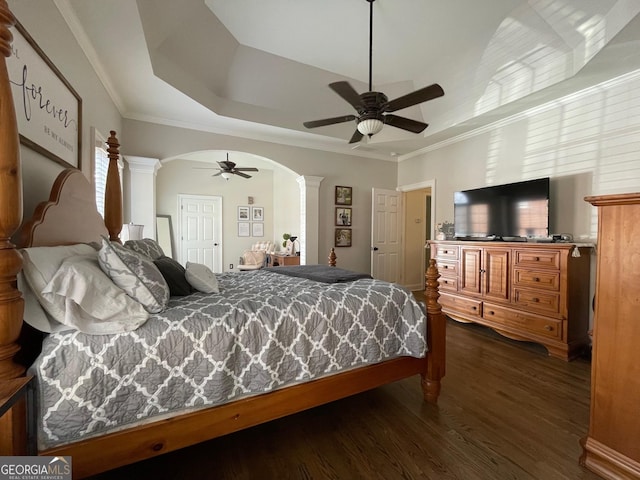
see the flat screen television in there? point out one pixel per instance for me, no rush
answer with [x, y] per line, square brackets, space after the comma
[514, 211]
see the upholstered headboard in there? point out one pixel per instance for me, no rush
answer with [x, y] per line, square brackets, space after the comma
[70, 216]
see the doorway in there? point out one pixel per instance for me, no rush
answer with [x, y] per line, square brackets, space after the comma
[418, 219]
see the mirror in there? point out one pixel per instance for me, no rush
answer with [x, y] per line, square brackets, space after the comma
[164, 234]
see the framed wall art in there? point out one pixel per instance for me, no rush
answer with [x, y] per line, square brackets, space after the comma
[343, 195]
[257, 214]
[243, 214]
[257, 229]
[343, 237]
[243, 229]
[48, 109]
[343, 216]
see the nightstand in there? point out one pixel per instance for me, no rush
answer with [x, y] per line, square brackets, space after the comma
[284, 260]
[11, 391]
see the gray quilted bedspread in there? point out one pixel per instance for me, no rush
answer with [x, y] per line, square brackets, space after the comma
[263, 331]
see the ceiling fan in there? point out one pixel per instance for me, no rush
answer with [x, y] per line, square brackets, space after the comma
[228, 168]
[373, 107]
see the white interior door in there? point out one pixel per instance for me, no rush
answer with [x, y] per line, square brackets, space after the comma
[201, 230]
[386, 245]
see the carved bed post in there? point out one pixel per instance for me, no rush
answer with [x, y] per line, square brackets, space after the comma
[332, 257]
[113, 192]
[11, 302]
[437, 336]
[12, 423]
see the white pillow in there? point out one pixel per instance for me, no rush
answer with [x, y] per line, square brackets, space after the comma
[201, 278]
[34, 314]
[136, 274]
[91, 302]
[40, 264]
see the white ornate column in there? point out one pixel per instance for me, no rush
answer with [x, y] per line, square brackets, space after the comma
[142, 192]
[309, 218]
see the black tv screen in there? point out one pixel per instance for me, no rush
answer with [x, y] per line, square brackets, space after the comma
[510, 211]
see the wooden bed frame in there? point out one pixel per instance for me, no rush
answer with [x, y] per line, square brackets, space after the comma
[120, 448]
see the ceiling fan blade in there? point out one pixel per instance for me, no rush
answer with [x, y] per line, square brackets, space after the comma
[243, 175]
[226, 165]
[414, 98]
[217, 174]
[405, 123]
[206, 168]
[329, 121]
[245, 169]
[347, 92]
[356, 137]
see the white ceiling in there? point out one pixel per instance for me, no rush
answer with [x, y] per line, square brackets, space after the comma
[258, 69]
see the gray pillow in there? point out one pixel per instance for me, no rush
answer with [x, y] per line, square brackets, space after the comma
[201, 278]
[135, 274]
[146, 246]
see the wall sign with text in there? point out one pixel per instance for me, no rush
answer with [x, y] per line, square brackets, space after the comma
[48, 109]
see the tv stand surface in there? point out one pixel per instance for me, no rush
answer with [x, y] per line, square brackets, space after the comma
[525, 291]
[492, 238]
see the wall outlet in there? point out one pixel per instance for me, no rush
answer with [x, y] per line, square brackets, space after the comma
[231, 266]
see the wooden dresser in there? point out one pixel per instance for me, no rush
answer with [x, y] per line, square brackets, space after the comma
[612, 446]
[525, 291]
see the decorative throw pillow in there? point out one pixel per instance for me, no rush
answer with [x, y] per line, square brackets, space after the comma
[135, 274]
[173, 274]
[201, 278]
[91, 302]
[146, 246]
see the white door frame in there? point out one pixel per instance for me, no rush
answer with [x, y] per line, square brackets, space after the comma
[419, 186]
[218, 226]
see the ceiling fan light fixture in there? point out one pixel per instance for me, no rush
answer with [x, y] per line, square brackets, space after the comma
[370, 126]
[225, 175]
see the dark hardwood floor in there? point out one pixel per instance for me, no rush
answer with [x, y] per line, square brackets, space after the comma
[507, 411]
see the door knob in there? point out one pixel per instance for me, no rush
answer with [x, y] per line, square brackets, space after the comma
[375, 249]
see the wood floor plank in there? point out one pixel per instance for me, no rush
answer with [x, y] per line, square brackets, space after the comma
[507, 411]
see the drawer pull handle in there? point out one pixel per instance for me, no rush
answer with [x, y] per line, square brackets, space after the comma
[491, 312]
[548, 328]
[445, 267]
[535, 300]
[536, 259]
[474, 308]
[536, 279]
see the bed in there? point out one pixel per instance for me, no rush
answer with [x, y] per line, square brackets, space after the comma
[413, 345]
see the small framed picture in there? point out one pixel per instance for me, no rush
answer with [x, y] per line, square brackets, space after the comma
[243, 214]
[343, 237]
[343, 217]
[243, 229]
[343, 195]
[257, 229]
[257, 214]
[288, 249]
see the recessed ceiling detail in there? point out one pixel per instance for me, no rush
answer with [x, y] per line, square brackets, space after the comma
[258, 69]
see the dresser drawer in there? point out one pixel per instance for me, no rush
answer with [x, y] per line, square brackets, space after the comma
[536, 258]
[446, 252]
[549, 327]
[448, 283]
[462, 305]
[448, 269]
[545, 302]
[548, 280]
